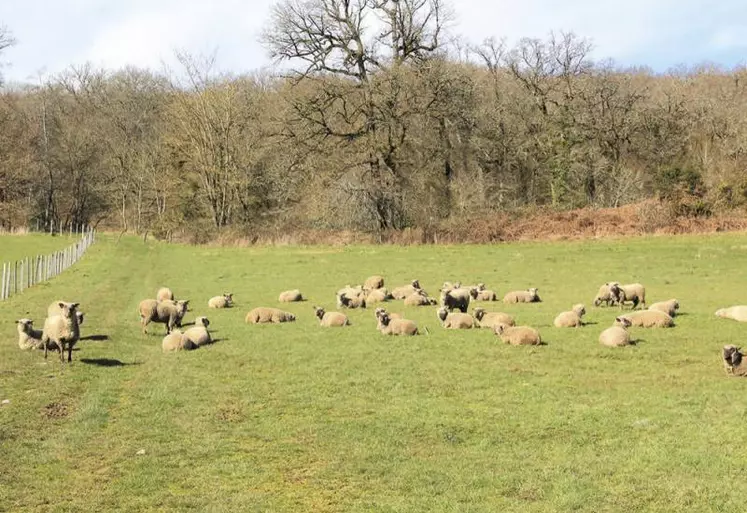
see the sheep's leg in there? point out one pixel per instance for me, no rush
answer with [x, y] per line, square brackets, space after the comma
[70, 352]
[45, 341]
[61, 345]
[144, 322]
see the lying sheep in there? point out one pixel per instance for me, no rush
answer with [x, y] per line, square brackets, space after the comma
[406, 290]
[389, 326]
[483, 294]
[373, 282]
[331, 319]
[378, 296]
[632, 293]
[345, 301]
[603, 296]
[649, 319]
[518, 335]
[392, 315]
[290, 296]
[492, 319]
[28, 337]
[198, 334]
[61, 331]
[455, 299]
[176, 341]
[224, 301]
[737, 313]
[572, 318]
[668, 307]
[455, 321]
[168, 312]
[733, 358]
[262, 314]
[617, 335]
[164, 293]
[419, 299]
[351, 291]
[522, 296]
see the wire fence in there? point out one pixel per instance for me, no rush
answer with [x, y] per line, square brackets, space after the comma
[25, 273]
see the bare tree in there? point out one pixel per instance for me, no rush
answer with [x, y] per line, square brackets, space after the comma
[6, 41]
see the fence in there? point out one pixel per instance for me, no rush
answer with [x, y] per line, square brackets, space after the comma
[22, 274]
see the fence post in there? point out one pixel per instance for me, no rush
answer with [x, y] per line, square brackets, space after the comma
[2, 287]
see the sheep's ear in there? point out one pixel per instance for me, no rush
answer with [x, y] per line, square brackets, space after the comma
[61, 304]
[75, 305]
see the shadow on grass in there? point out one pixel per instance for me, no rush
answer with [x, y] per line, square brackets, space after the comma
[96, 338]
[107, 362]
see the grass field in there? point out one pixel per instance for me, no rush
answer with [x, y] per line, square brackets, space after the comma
[16, 247]
[296, 418]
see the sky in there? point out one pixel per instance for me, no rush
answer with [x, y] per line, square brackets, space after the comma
[55, 34]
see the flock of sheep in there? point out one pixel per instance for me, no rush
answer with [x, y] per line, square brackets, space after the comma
[62, 324]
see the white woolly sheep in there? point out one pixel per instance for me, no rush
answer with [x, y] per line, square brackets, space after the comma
[617, 335]
[290, 296]
[603, 296]
[406, 290]
[381, 311]
[483, 294]
[649, 319]
[668, 307]
[61, 331]
[518, 335]
[455, 299]
[224, 301]
[373, 283]
[28, 337]
[492, 319]
[378, 296]
[419, 299]
[164, 293]
[733, 359]
[331, 319]
[262, 315]
[345, 301]
[632, 293]
[736, 313]
[522, 296]
[168, 312]
[455, 321]
[176, 341]
[572, 318]
[198, 334]
[389, 326]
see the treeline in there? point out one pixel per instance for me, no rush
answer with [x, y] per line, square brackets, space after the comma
[374, 132]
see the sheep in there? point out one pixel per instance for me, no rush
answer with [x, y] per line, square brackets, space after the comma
[164, 293]
[331, 319]
[198, 334]
[603, 296]
[572, 318]
[61, 330]
[389, 326]
[518, 335]
[224, 301]
[176, 341]
[649, 319]
[373, 283]
[392, 315]
[492, 319]
[57, 307]
[522, 296]
[634, 293]
[668, 307]
[737, 313]
[168, 312]
[406, 290]
[346, 301]
[262, 314]
[483, 294]
[733, 358]
[419, 299]
[455, 321]
[350, 291]
[450, 286]
[80, 315]
[290, 296]
[378, 296]
[28, 337]
[617, 335]
[455, 299]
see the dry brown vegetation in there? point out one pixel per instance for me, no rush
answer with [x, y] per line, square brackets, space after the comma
[390, 135]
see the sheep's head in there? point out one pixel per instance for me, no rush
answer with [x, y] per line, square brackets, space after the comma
[732, 355]
[202, 321]
[721, 312]
[182, 306]
[479, 313]
[432, 301]
[623, 322]
[229, 298]
[291, 316]
[580, 309]
[675, 304]
[68, 310]
[379, 312]
[319, 312]
[415, 284]
[24, 325]
[473, 292]
[500, 328]
[442, 313]
[384, 320]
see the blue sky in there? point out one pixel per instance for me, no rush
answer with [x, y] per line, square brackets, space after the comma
[657, 33]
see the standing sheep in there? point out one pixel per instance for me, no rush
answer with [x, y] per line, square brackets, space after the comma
[373, 283]
[262, 315]
[61, 330]
[164, 293]
[522, 296]
[455, 299]
[737, 313]
[176, 341]
[572, 318]
[668, 307]
[632, 293]
[198, 335]
[57, 307]
[617, 335]
[649, 319]
[224, 301]
[28, 337]
[604, 295]
[167, 312]
[290, 296]
[733, 358]
[406, 290]
[455, 321]
[389, 326]
[331, 319]
[518, 335]
[492, 319]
